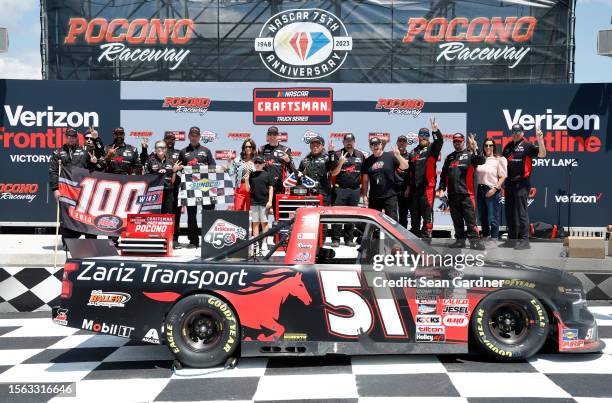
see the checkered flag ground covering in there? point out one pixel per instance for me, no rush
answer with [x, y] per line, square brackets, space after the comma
[205, 185]
[25, 289]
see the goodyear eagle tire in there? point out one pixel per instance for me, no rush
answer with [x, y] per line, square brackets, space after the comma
[510, 325]
[202, 331]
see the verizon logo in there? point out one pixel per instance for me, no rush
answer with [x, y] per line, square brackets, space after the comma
[50, 118]
[592, 199]
[550, 121]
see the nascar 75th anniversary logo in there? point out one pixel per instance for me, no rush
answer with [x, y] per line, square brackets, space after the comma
[304, 44]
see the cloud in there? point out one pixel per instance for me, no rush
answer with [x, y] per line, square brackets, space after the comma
[27, 65]
[14, 10]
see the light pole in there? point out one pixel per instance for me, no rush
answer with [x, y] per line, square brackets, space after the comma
[4, 40]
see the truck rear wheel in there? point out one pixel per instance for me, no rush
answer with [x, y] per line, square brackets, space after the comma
[510, 325]
[202, 330]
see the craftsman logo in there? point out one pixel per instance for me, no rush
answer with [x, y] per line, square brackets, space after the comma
[292, 106]
[62, 317]
[574, 198]
[18, 191]
[114, 36]
[108, 299]
[151, 337]
[498, 33]
[187, 104]
[305, 44]
[411, 107]
[112, 329]
[223, 233]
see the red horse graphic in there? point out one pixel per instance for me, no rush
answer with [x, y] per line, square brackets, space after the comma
[259, 304]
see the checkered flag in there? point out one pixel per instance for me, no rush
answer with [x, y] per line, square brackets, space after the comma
[205, 185]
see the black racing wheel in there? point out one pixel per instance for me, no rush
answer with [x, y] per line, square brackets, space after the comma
[510, 325]
[202, 330]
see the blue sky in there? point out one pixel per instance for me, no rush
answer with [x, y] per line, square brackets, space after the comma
[21, 17]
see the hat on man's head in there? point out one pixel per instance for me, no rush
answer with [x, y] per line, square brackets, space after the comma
[517, 127]
[375, 140]
[119, 130]
[273, 130]
[423, 132]
[71, 132]
[458, 137]
[194, 129]
[317, 139]
[402, 138]
[349, 136]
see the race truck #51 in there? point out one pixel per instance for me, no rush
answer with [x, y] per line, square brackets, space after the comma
[311, 300]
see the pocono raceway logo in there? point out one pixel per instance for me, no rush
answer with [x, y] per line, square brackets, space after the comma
[556, 129]
[223, 233]
[411, 107]
[18, 191]
[187, 104]
[304, 44]
[50, 126]
[454, 32]
[115, 35]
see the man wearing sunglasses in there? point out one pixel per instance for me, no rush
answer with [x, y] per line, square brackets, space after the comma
[457, 178]
[95, 150]
[520, 154]
[422, 180]
[277, 160]
[159, 163]
[69, 155]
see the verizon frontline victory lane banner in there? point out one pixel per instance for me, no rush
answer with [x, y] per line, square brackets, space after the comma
[575, 119]
[320, 40]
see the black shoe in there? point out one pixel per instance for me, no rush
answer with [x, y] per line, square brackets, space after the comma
[335, 244]
[510, 243]
[459, 243]
[522, 245]
[477, 244]
[193, 246]
[177, 245]
[351, 244]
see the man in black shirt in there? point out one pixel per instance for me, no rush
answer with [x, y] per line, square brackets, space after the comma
[195, 154]
[121, 158]
[260, 186]
[318, 165]
[347, 173]
[401, 177]
[457, 178]
[277, 160]
[95, 149]
[520, 153]
[378, 175]
[160, 163]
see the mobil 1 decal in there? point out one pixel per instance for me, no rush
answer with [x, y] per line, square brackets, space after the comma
[575, 125]
[304, 44]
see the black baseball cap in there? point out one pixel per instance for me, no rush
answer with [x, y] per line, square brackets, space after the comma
[349, 136]
[517, 127]
[423, 132]
[71, 132]
[458, 137]
[402, 138]
[318, 139]
[169, 135]
[273, 130]
[258, 159]
[375, 140]
[119, 130]
[194, 129]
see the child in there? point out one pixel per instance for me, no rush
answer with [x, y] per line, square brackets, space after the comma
[259, 185]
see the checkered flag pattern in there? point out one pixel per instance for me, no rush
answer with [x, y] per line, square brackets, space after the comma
[27, 289]
[205, 185]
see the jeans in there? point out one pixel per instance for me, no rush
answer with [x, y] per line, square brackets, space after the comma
[488, 211]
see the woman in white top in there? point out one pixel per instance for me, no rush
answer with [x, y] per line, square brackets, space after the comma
[239, 168]
[491, 176]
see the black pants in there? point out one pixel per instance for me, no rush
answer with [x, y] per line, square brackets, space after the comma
[421, 210]
[517, 217]
[193, 231]
[176, 210]
[403, 206]
[345, 197]
[389, 204]
[167, 206]
[462, 210]
[67, 233]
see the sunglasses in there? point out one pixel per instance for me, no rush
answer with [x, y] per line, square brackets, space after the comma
[249, 147]
[489, 145]
[160, 148]
[88, 138]
[259, 162]
[517, 131]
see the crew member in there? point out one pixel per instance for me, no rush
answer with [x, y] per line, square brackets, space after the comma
[378, 176]
[195, 154]
[160, 163]
[422, 181]
[95, 150]
[318, 165]
[457, 178]
[519, 153]
[347, 173]
[278, 161]
[401, 178]
[69, 155]
[121, 158]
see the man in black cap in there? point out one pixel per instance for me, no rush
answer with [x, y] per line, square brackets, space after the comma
[457, 178]
[378, 176]
[347, 187]
[195, 154]
[401, 178]
[95, 150]
[69, 155]
[121, 158]
[277, 159]
[422, 181]
[318, 165]
[520, 154]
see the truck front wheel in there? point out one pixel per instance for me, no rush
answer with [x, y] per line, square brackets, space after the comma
[202, 330]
